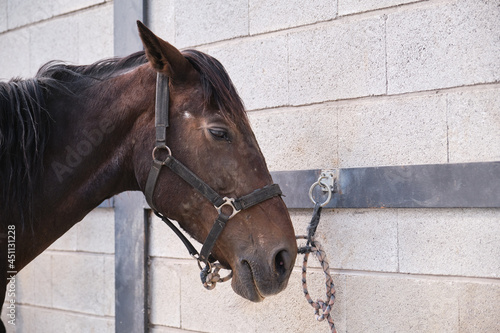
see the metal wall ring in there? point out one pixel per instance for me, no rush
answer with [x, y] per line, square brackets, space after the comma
[318, 183]
[161, 147]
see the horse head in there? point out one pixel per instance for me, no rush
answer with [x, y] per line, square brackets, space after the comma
[210, 134]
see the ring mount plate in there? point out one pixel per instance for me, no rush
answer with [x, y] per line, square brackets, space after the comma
[326, 182]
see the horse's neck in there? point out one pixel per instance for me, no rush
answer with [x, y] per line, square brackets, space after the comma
[89, 157]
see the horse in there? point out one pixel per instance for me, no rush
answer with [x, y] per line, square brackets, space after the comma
[73, 136]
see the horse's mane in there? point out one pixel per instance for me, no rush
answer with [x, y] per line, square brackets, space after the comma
[25, 125]
[217, 86]
[25, 122]
[60, 77]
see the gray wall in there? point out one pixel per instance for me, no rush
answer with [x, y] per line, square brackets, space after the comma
[353, 83]
[337, 83]
[34, 32]
[70, 287]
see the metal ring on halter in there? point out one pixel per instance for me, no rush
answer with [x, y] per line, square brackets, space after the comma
[199, 261]
[155, 149]
[318, 183]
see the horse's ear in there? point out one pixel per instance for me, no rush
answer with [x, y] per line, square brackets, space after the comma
[164, 57]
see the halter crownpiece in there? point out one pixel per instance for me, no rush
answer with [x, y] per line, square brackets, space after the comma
[236, 204]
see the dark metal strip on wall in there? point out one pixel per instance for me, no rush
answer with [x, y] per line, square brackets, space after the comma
[131, 220]
[462, 185]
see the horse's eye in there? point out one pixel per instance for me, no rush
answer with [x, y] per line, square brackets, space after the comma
[219, 134]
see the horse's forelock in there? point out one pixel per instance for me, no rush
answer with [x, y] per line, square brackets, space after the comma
[217, 86]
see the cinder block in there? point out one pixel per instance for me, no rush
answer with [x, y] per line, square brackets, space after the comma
[286, 312]
[258, 68]
[33, 286]
[297, 138]
[165, 292]
[160, 329]
[460, 242]
[67, 242]
[27, 12]
[67, 6]
[161, 19]
[399, 304]
[337, 61]
[95, 33]
[480, 307]
[51, 320]
[25, 284]
[108, 292]
[355, 239]
[209, 21]
[34, 282]
[96, 232]
[3, 15]
[445, 44]
[357, 6]
[164, 242]
[21, 13]
[25, 320]
[42, 280]
[79, 283]
[15, 54]
[474, 125]
[54, 39]
[393, 131]
[273, 15]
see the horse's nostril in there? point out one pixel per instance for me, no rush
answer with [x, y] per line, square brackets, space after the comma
[282, 262]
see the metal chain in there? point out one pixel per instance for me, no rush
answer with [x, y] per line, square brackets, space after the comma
[210, 275]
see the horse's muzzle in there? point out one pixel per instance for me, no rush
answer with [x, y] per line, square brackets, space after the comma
[255, 278]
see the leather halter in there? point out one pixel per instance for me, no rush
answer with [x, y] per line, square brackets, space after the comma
[219, 202]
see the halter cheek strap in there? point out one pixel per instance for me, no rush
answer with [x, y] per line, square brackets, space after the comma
[219, 202]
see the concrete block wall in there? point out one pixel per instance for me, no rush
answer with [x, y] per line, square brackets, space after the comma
[351, 83]
[34, 32]
[327, 83]
[70, 287]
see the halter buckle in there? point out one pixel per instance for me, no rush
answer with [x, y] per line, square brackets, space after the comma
[228, 202]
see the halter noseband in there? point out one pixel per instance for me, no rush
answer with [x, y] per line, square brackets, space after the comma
[219, 202]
